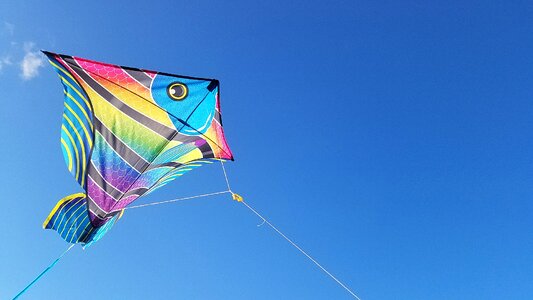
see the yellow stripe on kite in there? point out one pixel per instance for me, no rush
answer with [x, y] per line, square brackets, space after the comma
[89, 138]
[78, 227]
[75, 148]
[58, 204]
[68, 154]
[82, 146]
[58, 225]
[62, 70]
[81, 108]
[66, 82]
[70, 217]
[75, 90]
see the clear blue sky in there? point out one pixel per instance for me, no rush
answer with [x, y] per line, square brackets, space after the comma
[390, 139]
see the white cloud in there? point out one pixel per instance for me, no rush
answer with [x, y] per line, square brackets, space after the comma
[32, 61]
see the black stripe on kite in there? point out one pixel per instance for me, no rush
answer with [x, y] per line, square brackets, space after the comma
[125, 152]
[140, 76]
[102, 183]
[158, 128]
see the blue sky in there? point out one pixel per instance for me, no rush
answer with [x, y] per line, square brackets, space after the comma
[390, 139]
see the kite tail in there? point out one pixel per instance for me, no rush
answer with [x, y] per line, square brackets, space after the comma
[42, 273]
[70, 219]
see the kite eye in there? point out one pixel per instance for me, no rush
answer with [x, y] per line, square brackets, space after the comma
[177, 91]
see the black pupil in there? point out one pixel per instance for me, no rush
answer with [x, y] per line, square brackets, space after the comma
[177, 91]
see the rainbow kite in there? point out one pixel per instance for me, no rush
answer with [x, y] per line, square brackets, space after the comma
[125, 133]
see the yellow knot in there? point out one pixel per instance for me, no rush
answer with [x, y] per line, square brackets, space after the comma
[237, 197]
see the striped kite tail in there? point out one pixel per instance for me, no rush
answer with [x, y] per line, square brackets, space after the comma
[70, 219]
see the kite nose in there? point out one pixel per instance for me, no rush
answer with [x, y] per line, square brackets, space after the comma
[212, 85]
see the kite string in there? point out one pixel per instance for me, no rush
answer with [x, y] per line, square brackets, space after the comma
[178, 199]
[190, 197]
[137, 206]
[301, 250]
[264, 221]
[289, 240]
[225, 176]
[42, 273]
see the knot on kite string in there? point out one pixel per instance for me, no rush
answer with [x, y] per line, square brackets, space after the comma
[235, 196]
[259, 225]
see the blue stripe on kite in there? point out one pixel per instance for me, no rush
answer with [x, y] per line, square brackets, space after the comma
[174, 153]
[82, 128]
[79, 124]
[72, 97]
[74, 155]
[66, 210]
[78, 138]
[150, 177]
[61, 72]
[80, 229]
[98, 233]
[80, 110]
[176, 173]
[69, 218]
[78, 220]
[71, 221]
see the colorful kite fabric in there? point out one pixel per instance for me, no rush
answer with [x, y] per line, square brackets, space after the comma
[125, 133]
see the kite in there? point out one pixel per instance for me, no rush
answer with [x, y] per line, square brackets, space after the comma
[125, 133]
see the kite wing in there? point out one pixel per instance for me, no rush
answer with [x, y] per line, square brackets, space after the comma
[125, 133]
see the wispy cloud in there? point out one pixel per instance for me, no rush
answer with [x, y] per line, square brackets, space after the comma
[8, 28]
[5, 61]
[16, 56]
[31, 63]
